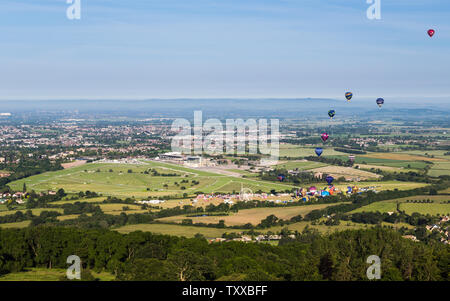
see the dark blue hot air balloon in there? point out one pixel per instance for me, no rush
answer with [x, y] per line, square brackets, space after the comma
[329, 179]
[380, 102]
[319, 151]
[331, 113]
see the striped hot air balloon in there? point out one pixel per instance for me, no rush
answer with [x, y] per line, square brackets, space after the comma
[348, 95]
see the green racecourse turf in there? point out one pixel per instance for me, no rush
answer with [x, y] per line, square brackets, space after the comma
[123, 184]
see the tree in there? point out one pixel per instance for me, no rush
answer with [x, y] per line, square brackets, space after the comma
[326, 266]
[188, 266]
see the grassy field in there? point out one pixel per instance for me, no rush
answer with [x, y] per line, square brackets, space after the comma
[433, 209]
[295, 151]
[91, 200]
[370, 159]
[346, 172]
[387, 185]
[40, 274]
[23, 224]
[35, 211]
[176, 230]
[438, 207]
[114, 179]
[301, 165]
[190, 231]
[428, 153]
[383, 168]
[400, 157]
[439, 169]
[300, 226]
[253, 216]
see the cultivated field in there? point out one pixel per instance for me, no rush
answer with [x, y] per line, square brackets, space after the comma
[440, 169]
[383, 168]
[400, 157]
[23, 224]
[176, 230]
[35, 211]
[252, 216]
[295, 151]
[438, 207]
[301, 165]
[347, 172]
[344, 225]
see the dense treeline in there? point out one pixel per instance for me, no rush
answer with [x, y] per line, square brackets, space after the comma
[350, 150]
[27, 167]
[331, 161]
[145, 256]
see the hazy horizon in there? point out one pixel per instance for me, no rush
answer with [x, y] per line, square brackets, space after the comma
[216, 48]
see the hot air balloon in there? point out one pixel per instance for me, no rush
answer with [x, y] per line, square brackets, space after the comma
[380, 102]
[324, 137]
[319, 151]
[331, 113]
[324, 193]
[303, 191]
[348, 95]
[329, 179]
[431, 32]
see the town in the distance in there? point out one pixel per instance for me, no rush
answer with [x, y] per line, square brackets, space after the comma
[96, 176]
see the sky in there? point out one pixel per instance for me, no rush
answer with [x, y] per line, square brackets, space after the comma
[137, 49]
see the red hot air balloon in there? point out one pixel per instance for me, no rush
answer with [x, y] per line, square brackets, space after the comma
[431, 32]
[324, 137]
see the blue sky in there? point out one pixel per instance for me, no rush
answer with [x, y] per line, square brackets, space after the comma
[223, 48]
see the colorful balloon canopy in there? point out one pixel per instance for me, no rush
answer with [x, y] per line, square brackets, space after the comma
[331, 113]
[380, 102]
[329, 179]
[348, 95]
[431, 32]
[319, 151]
[324, 137]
